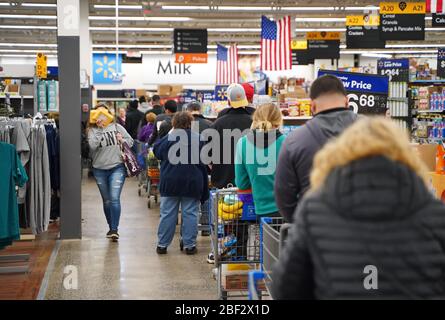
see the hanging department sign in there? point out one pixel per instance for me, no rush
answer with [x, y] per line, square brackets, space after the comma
[362, 32]
[441, 63]
[41, 66]
[300, 53]
[402, 20]
[438, 20]
[396, 69]
[323, 45]
[190, 45]
[367, 93]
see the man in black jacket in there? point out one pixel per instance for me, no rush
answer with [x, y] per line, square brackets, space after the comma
[163, 122]
[331, 117]
[199, 123]
[236, 120]
[133, 119]
[156, 105]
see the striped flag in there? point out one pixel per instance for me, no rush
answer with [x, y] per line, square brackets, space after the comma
[276, 51]
[435, 6]
[227, 65]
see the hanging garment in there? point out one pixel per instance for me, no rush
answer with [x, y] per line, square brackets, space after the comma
[40, 182]
[12, 173]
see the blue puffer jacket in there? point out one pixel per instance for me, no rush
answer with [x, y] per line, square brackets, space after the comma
[183, 177]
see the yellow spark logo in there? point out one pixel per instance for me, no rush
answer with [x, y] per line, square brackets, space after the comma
[106, 67]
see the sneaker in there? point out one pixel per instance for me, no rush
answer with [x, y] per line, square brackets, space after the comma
[191, 251]
[114, 236]
[161, 250]
[211, 258]
[109, 233]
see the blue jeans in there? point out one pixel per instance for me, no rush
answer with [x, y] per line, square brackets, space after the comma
[169, 217]
[110, 183]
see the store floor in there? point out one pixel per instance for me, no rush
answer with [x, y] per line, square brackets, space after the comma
[130, 269]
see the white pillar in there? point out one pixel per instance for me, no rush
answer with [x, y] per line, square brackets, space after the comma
[85, 39]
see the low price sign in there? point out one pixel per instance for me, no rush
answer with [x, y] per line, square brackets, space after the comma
[441, 63]
[367, 93]
[396, 69]
[402, 20]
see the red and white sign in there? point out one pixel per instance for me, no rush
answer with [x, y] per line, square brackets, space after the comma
[435, 6]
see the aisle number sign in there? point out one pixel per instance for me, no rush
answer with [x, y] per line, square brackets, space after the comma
[402, 7]
[363, 21]
[367, 93]
[299, 45]
[323, 35]
[402, 20]
[41, 66]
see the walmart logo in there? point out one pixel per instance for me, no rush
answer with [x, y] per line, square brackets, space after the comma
[104, 65]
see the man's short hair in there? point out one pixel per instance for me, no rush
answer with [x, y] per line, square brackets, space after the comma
[155, 98]
[327, 84]
[194, 106]
[142, 99]
[171, 106]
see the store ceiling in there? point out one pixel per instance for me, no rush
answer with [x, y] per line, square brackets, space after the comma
[29, 25]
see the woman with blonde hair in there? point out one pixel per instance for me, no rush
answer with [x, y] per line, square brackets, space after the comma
[256, 158]
[369, 228]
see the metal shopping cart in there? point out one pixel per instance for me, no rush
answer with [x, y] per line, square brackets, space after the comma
[141, 156]
[153, 179]
[273, 234]
[235, 241]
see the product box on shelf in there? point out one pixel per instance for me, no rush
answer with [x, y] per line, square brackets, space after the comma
[427, 152]
[237, 279]
[164, 90]
[437, 184]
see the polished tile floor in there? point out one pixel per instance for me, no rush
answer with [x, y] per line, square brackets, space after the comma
[130, 269]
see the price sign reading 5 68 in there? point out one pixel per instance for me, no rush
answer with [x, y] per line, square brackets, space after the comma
[367, 103]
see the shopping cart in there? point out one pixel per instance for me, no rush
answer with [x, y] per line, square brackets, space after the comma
[153, 179]
[235, 242]
[273, 234]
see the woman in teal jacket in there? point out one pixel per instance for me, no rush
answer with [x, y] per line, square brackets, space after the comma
[256, 158]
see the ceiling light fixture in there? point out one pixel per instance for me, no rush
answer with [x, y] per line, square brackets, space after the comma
[27, 16]
[28, 27]
[43, 5]
[11, 44]
[112, 6]
[179, 19]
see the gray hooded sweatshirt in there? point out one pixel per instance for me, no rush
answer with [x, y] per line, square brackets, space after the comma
[297, 154]
[105, 150]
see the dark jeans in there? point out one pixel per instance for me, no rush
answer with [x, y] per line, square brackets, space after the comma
[110, 183]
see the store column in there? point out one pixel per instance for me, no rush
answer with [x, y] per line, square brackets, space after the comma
[68, 22]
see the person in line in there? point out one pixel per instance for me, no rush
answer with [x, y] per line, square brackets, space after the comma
[133, 119]
[108, 168]
[164, 121]
[200, 123]
[251, 170]
[144, 106]
[369, 228]
[156, 105]
[146, 131]
[331, 117]
[250, 92]
[236, 117]
[122, 113]
[183, 184]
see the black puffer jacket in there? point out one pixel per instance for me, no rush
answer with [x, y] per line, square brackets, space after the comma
[371, 212]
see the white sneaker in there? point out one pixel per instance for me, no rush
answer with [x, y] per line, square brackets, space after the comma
[211, 258]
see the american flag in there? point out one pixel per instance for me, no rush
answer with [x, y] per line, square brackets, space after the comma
[227, 65]
[435, 6]
[276, 52]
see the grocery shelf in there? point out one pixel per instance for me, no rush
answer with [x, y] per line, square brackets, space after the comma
[427, 82]
[115, 99]
[429, 111]
[397, 99]
[298, 118]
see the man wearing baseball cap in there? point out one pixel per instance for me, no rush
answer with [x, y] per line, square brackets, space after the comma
[250, 91]
[236, 117]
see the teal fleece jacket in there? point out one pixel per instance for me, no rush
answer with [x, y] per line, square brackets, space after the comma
[255, 166]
